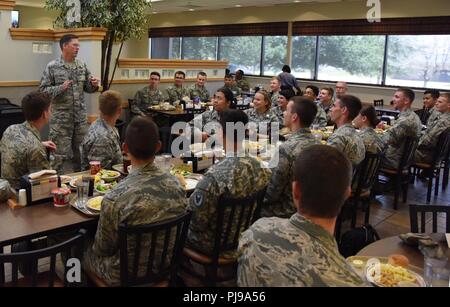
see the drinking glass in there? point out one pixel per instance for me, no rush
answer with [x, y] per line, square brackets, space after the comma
[440, 277]
[82, 193]
[430, 265]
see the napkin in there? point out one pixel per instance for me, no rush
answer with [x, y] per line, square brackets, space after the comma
[36, 175]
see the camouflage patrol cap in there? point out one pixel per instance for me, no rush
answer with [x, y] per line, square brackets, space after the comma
[4, 190]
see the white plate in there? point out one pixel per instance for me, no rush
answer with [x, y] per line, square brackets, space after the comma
[90, 201]
[191, 183]
[420, 282]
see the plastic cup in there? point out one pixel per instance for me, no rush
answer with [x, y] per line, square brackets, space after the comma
[430, 265]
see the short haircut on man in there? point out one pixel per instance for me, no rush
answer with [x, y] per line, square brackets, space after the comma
[287, 93]
[34, 104]
[240, 71]
[319, 166]
[305, 109]
[433, 92]
[408, 93]
[313, 88]
[234, 117]
[229, 96]
[110, 102]
[66, 39]
[329, 90]
[202, 73]
[155, 73]
[446, 95]
[353, 105]
[142, 137]
[286, 68]
[229, 76]
[180, 73]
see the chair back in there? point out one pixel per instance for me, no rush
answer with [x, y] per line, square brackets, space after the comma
[415, 210]
[378, 102]
[366, 173]
[442, 148]
[234, 215]
[165, 241]
[71, 248]
[409, 149]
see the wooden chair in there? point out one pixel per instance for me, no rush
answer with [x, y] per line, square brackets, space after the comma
[415, 210]
[72, 247]
[162, 263]
[401, 174]
[378, 102]
[433, 169]
[245, 211]
[362, 183]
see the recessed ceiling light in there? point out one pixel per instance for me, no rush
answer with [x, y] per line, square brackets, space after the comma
[238, 5]
[297, 1]
[191, 10]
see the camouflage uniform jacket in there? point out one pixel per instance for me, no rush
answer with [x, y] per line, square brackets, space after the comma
[278, 200]
[101, 143]
[274, 98]
[293, 252]
[22, 152]
[177, 93]
[433, 116]
[232, 177]
[321, 118]
[327, 109]
[235, 90]
[346, 139]
[200, 92]
[71, 100]
[145, 98]
[210, 117]
[428, 142]
[147, 195]
[267, 118]
[243, 85]
[407, 124]
[371, 140]
[280, 115]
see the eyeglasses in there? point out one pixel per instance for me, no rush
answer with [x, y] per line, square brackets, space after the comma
[154, 79]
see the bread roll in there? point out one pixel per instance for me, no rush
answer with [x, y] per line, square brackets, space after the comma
[398, 260]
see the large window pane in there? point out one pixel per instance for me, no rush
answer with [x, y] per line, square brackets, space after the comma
[419, 61]
[303, 56]
[351, 58]
[274, 54]
[243, 52]
[199, 48]
[175, 48]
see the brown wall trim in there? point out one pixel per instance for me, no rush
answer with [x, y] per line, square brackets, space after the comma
[387, 26]
[7, 5]
[148, 63]
[272, 28]
[55, 35]
[18, 83]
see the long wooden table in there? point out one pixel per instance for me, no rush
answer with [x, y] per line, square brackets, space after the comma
[39, 220]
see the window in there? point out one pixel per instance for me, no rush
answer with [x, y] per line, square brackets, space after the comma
[199, 48]
[275, 50]
[351, 58]
[243, 52]
[175, 48]
[14, 19]
[419, 61]
[303, 56]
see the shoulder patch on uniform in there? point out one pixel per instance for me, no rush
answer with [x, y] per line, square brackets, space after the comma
[198, 199]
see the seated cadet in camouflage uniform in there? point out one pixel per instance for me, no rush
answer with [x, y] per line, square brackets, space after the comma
[148, 96]
[22, 151]
[198, 90]
[241, 82]
[261, 114]
[301, 251]
[275, 84]
[326, 101]
[298, 117]
[283, 98]
[407, 124]
[428, 141]
[178, 91]
[237, 175]
[429, 101]
[345, 138]
[229, 83]
[208, 123]
[147, 195]
[312, 91]
[66, 79]
[366, 121]
[102, 142]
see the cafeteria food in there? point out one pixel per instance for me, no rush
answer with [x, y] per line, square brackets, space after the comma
[390, 276]
[95, 203]
[398, 260]
[180, 170]
[103, 187]
[181, 180]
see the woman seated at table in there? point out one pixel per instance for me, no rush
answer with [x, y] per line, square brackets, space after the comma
[366, 121]
[208, 123]
[283, 98]
[261, 113]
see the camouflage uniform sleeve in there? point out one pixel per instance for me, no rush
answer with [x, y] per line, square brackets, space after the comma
[38, 159]
[392, 136]
[321, 118]
[279, 179]
[48, 85]
[245, 86]
[106, 241]
[170, 96]
[430, 138]
[88, 87]
[102, 150]
[137, 101]
[337, 142]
